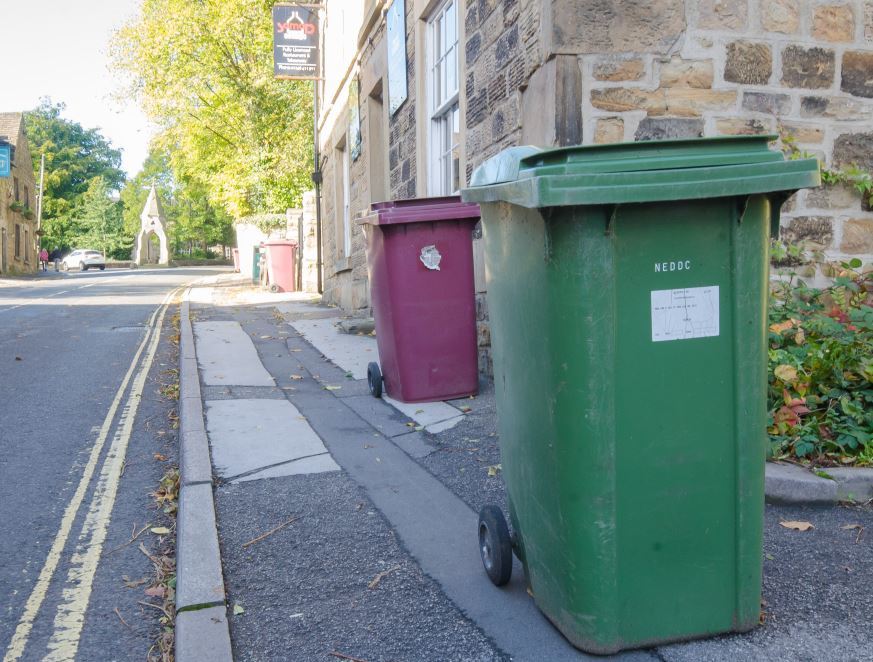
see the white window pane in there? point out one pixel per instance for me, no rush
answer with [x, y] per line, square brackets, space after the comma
[451, 67]
[451, 25]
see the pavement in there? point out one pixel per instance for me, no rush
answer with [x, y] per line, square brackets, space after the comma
[317, 522]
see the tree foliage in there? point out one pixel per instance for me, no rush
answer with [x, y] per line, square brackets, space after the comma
[74, 157]
[203, 72]
[97, 221]
[192, 221]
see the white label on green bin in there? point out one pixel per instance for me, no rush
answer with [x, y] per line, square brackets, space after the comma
[686, 313]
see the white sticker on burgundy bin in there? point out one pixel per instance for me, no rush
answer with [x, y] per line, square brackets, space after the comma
[430, 257]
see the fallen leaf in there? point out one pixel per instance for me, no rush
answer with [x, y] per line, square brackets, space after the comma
[418, 428]
[465, 408]
[296, 350]
[156, 591]
[237, 609]
[797, 526]
[782, 326]
[332, 388]
[266, 337]
[785, 372]
[296, 376]
[133, 583]
[419, 411]
[160, 458]
[494, 469]
[160, 530]
[412, 425]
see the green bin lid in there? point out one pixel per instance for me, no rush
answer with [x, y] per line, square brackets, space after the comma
[639, 172]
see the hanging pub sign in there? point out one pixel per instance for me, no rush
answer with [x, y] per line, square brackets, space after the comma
[5, 160]
[396, 26]
[295, 41]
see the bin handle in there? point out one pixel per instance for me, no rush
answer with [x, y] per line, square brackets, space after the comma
[777, 199]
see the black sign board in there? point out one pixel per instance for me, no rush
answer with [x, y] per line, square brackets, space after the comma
[295, 41]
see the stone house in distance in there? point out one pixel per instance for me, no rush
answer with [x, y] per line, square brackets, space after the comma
[483, 75]
[19, 252]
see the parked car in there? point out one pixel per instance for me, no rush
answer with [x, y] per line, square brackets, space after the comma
[83, 259]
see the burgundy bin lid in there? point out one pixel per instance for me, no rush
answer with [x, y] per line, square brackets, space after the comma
[420, 210]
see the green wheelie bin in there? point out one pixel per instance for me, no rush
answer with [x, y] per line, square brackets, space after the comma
[627, 289]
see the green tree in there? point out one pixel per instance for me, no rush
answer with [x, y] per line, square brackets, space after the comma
[203, 72]
[74, 156]
[98, 221]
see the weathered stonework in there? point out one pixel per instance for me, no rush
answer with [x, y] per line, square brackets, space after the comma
[621, 99]
[833, 23]
[813, 231]
[742, 127]
[690, 102]
[664, 128]
[854, 149]
[857, 74]
[857, 236]
[837, 108]
[780, 16]
[686, 73]
[832, 197]
[803, 133]
[807, 68]
[748, 63]
[868, 20]
[765, 102]
[619, 70]
[622, 26]
[722, 14]
[609, 130]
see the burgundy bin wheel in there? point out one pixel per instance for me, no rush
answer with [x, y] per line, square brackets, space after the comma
[374, 379]
[495, 545]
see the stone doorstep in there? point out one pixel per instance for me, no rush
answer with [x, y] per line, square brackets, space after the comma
[789, 483]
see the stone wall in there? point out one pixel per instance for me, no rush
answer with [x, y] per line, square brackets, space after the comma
[792, 67]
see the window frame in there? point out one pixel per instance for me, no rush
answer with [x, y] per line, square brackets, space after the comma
[443, 105]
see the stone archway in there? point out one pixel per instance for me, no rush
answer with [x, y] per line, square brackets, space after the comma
[153, 225]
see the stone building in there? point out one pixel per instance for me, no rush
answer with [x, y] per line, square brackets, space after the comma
[482, 75]
[19, 252]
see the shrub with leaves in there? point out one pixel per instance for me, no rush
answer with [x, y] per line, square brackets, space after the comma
[820, 391]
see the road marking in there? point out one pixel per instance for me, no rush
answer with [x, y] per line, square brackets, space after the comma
[70, 616]
[29, 302]
[37, 596]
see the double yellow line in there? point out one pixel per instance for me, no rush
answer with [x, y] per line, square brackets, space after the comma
[70, 614]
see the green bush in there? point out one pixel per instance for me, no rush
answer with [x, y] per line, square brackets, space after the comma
[820, 390]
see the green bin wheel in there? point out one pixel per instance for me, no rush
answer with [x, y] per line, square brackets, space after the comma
[374, 379]
[495, 545]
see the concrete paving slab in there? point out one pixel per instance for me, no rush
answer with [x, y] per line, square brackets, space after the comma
[203, 635]
[227, 356]
[199, 578]
[434, 416]
[308, 465]
[306, 308]
[351, 353]
[247, 435]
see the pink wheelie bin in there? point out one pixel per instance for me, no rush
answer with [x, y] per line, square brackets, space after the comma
[420, 261]
[281, 264]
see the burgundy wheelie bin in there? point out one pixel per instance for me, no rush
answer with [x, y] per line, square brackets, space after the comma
[420, 261]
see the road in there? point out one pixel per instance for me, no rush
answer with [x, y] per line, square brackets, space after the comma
[84, 439]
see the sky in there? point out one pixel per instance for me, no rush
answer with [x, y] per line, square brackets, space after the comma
[59, 49]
